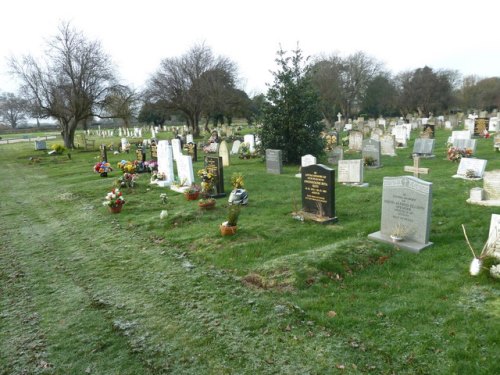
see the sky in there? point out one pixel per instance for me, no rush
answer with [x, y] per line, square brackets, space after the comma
[402, 34]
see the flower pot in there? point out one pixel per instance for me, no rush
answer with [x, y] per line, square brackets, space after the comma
[115, 209]
[226, 230]
[104, 174]
[207, 205]
[192, 196]
[396, 238]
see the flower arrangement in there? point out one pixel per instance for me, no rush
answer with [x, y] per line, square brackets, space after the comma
[455, 153]
[229, 227]
[114, 198]
[163, 198]
[193, 189]
[102, 167]
[237, 181]
[151, 165]
[58, 148]
[244, 151]
[155, 175]
[127, 180]
[127, 166]
[207, 182]
[489, 251]
[369, 161]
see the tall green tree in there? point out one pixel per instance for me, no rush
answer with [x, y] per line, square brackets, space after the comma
[381, 97]
[292, 119]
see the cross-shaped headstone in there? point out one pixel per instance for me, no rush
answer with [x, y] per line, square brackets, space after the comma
[415, 169]
[339, 116]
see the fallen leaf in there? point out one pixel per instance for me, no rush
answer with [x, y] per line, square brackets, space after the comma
[332, 314]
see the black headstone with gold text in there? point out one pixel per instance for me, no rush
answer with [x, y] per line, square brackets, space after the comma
[213, 164]
[318, 193]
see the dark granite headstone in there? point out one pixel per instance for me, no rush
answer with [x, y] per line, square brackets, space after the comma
[318, 192]
[104, 153]
[213, 164]
[371, 150]
[424, 147]
[140, 155]
[192, 150]
[274, 161]
[154, 150]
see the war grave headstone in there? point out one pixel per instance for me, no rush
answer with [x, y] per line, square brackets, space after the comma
[489, 195]
[371, 153]
[387, 145]
[471, 169]
[355, 141]
[416, 169]
[176, 147]
[40, 145]
[318, 194]
[406, 213]
[350, 172]
[335, 155]
[236, 147]
[165, 163]
[399, 133]
[480, 126]
[103, 153]
[213, 164]
[424, 147]
[305, 161]
[185, 173]
[465, 144]
[189, 138]
[224, 153]
[274, 161]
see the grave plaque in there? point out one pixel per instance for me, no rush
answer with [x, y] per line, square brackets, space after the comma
[40, 145]
[350, 171]
[424, 147]
[274, 161]
[470, 164]
[371, 153]
[213, 164]
[480, 125]
[104, 153]
[406, 213]
[465, 144]
[318, 192]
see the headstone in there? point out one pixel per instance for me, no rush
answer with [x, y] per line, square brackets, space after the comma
[213, 164]
[154, 150]
[494, 235]
[140, 155]
[477, 166]
[371, 153]
[469, 125]
[424, 147]
[166, 162]
[465, 144]
[224, 153]
[185, 172]
[236, 147]
[416, 170]
[250, 140]
[490, 192]
[318, 193]
[307, 160]
[399, 132]
[476, 195]
[335, 155]
[350, 172]
[376, 134]
[447, 125]
[480, 126]
[459, 134]
[355, 140]
[192, 150]
[388, 145]
[189, 138]
[494, 124]
[406, 212]
[125, 145]
[429, 131]
[40, 145]
[103, 153]
[274, 161]
[176, 148]
[496, 142]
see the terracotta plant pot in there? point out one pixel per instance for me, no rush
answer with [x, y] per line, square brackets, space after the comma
[192, 196]
[207, 205]
[115, 209]
[227, 230]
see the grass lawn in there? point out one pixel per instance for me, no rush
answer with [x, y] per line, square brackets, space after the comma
[83, 291]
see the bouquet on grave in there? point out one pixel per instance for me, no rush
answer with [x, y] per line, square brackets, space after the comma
[102, 167]
[127, 180]
[127, 166]
[207, 182]
[456, 153]
[114, 198]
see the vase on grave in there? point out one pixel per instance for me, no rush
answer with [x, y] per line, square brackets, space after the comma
[115, 209]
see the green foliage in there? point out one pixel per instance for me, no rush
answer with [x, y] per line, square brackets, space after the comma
[58, 148]
[233, 215]
[291, 111]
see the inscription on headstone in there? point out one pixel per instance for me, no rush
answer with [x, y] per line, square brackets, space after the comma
[318, 192]
[274, 161]
[371, 153]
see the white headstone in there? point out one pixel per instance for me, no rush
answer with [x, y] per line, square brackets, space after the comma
[307, 160]
[350, 171]
[250, 140]
[355, 141]
[236, 146]
[399, 132]
[176, 148]
[185, 169]
[494, 124]
[189, 138]
[476, 165]
[166, 161]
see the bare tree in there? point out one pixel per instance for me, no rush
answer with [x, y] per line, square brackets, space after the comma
[122, 102]
[70, 83]
[13, 109]
[182, 82]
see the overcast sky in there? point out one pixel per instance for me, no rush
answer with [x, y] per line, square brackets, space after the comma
[402, 34]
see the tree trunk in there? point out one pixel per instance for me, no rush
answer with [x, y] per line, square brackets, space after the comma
[68, 132]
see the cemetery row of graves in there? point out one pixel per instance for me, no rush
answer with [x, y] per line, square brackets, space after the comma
[313, 281]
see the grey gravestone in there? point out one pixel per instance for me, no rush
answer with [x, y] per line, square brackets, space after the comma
[274, 161]
[355, 140]
[371, 149]
[406, 208]
[388, 145]
[224, 153]
[213, 164]
[40, 145]
[318, 193]
[477, 165]
[465, 144]
[335, 155]
[350, 172]
[424, 147]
